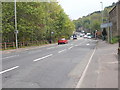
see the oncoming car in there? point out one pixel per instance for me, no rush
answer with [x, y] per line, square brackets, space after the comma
[62, 41]
[74, 36]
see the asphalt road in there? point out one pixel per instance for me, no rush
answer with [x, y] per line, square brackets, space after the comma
[52, 66]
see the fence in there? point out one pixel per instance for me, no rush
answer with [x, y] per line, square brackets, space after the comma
[7, 45]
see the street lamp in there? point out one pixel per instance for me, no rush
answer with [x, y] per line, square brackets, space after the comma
[16, 31]
[102, 10]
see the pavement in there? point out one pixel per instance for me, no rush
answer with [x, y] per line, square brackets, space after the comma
[103, 69]
[25, 49]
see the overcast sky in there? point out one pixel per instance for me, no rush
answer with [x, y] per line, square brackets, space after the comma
[79, 8]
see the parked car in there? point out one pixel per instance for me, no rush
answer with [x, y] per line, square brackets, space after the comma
[89, 36]
[62, 41]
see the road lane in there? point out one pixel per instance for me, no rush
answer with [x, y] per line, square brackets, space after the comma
[49, 72]
[85, 70]
[27, 58]
[29, 55]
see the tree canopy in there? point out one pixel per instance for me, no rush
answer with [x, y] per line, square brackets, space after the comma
[36, 21]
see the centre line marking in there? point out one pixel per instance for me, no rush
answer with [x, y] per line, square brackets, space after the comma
[9, 69]
[10, 57]
[42, 57]
[61, 51]
[70, 47]
[76, 45]
[88, 44]
[85, 70]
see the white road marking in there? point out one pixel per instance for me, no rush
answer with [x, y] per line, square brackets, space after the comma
[10, 57]
[9, 69]
[61, 51]
[50, 47]
[42, 57]
[85, 70]
[76, 45]
[70, 47]
[88, 44]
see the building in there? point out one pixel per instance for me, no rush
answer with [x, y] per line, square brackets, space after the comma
[114, 17]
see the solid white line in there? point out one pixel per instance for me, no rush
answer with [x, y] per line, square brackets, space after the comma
[85, 70]
[10, 57]
[9, 69]
[42, 57]
[70, 47]
[61, 51]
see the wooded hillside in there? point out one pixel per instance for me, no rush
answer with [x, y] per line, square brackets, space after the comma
[93, 21]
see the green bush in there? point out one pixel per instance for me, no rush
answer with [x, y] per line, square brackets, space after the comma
[115, 39]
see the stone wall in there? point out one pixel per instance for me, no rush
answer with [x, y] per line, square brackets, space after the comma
[118, 26]
[113, 19]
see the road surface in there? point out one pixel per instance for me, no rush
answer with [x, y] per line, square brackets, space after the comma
[54, 66]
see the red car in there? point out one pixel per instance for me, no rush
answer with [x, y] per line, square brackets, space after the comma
[62, 41]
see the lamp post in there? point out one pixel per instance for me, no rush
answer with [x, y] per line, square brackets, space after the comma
[16, 31]
[102, 10]
[51, 36]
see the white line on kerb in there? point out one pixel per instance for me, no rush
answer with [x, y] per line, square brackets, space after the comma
[85, 70]
[42, 57]
[9, 69]
[61, 51]
[10, 57]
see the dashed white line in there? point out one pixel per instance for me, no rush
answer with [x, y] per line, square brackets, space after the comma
[9, 69]
[76, 45]
[85, 70]
[10, 57]
[70, 47]
[88, 44]
[62, 51]
[42, 57]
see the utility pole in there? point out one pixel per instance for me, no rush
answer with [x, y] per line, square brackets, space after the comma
[101, 16]
[16, 31]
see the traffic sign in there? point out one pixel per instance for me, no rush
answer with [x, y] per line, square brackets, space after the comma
[16, 31]
[105, 25]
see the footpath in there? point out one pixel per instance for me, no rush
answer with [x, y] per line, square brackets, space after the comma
[103, 68]
[25, 49]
